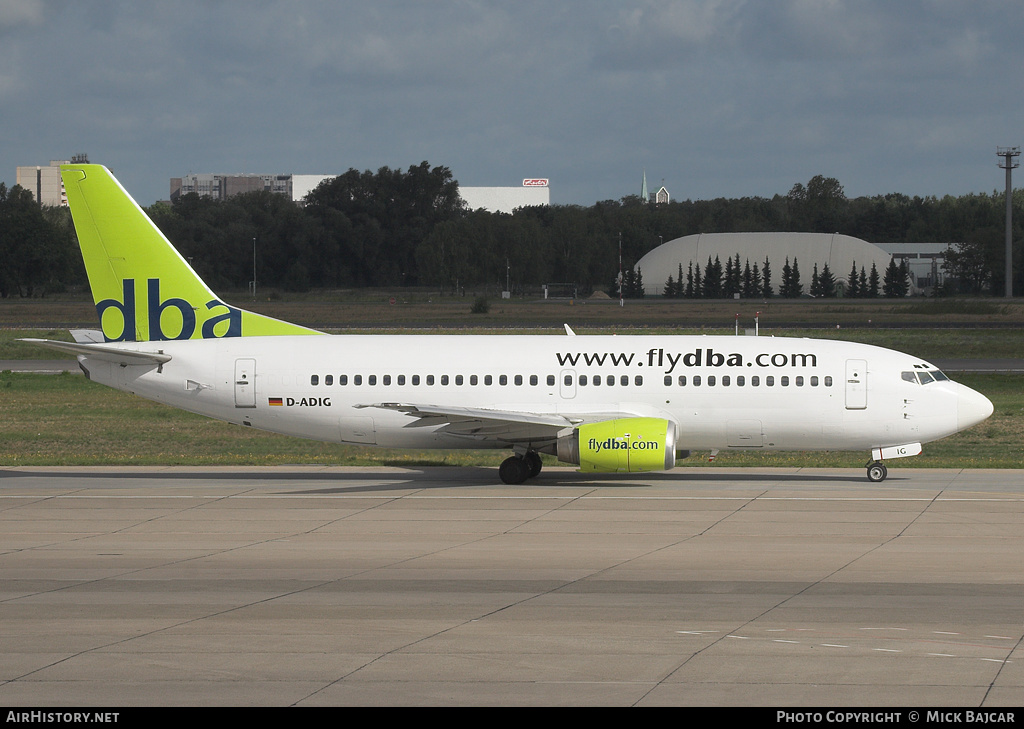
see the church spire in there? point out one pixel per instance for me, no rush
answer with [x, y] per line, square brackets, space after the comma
[643, 189]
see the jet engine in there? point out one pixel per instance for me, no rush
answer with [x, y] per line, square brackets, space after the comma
[625, 444]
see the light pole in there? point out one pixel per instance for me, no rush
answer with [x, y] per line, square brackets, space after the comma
[1009, 155]
[254, 268]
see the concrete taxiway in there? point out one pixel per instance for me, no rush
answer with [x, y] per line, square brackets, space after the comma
[385, 586]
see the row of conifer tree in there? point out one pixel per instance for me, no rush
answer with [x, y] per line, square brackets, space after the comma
[751, 281]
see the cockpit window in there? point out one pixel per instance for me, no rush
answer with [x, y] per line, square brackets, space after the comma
[923, 377]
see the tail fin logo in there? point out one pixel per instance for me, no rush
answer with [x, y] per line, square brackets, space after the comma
[165, 319]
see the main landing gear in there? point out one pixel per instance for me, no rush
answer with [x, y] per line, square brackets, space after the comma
[518, 468]
[877, 472]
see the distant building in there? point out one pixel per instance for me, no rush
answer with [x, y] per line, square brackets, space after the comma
[533, 191]
[221, 187]
[840, 252]
[923, 259]
[44, 182]
[658, 198]
[302, 185]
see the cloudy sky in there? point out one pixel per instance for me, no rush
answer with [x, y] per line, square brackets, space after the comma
[714, 97]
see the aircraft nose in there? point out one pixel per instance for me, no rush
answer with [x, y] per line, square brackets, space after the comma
[971, 407]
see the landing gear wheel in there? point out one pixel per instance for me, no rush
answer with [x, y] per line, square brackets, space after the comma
[532, 459]
[877, 472]
[514, 470]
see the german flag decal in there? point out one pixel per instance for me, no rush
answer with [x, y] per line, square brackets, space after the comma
[275, 401]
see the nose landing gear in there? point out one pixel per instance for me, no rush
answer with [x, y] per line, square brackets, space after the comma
[877, 472]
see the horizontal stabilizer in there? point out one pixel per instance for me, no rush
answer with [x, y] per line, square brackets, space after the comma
[104, 352]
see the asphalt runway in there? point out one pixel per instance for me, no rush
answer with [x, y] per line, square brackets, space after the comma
[384, 586]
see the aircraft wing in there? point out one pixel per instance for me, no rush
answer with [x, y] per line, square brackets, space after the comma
[487, 424]
[107, 354]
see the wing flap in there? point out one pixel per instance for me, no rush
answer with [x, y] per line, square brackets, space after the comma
[489, 424]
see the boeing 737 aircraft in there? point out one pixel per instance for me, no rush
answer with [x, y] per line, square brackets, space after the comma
[604, 403]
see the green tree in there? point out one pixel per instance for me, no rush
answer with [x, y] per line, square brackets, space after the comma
[37, 246]
[391, 212]
[852, 283]
[873, 281]
[895, 283]
[826, 283]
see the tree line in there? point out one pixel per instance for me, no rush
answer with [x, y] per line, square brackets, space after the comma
[393, 228]
[38, 248]
[752, 282]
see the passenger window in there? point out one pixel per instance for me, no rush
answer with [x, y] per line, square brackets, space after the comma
[583, 379]
[342, 379]
[386, 379]
[638, 380]
[668, 380]
[828, 381]
[712, 381]
[503, 380]
[458, 379]
[740, 380]
[533, 380]
[814, 380]
[371, 380]
[567, 379]
[785, 381]
[682, 380]
[444, 379]
[696, 380]
[610, 380]
[430, 379]
[799, 381]
[328, 379]
[474, 380]
[624, 380]
[725, 380]
[551, 380]
[597, 380]
[755, 381]
[518, 380]
[314, 379]
[401, 379]
[357, 380]
[488, 380]
[769, 381]
[415, 379]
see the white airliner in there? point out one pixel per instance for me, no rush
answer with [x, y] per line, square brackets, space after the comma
[605, 403]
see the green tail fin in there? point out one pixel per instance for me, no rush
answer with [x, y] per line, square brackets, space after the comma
[144, 290]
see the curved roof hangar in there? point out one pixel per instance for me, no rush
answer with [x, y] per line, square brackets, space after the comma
[840, 252]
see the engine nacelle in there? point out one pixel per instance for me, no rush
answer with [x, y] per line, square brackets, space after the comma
[626, 444]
